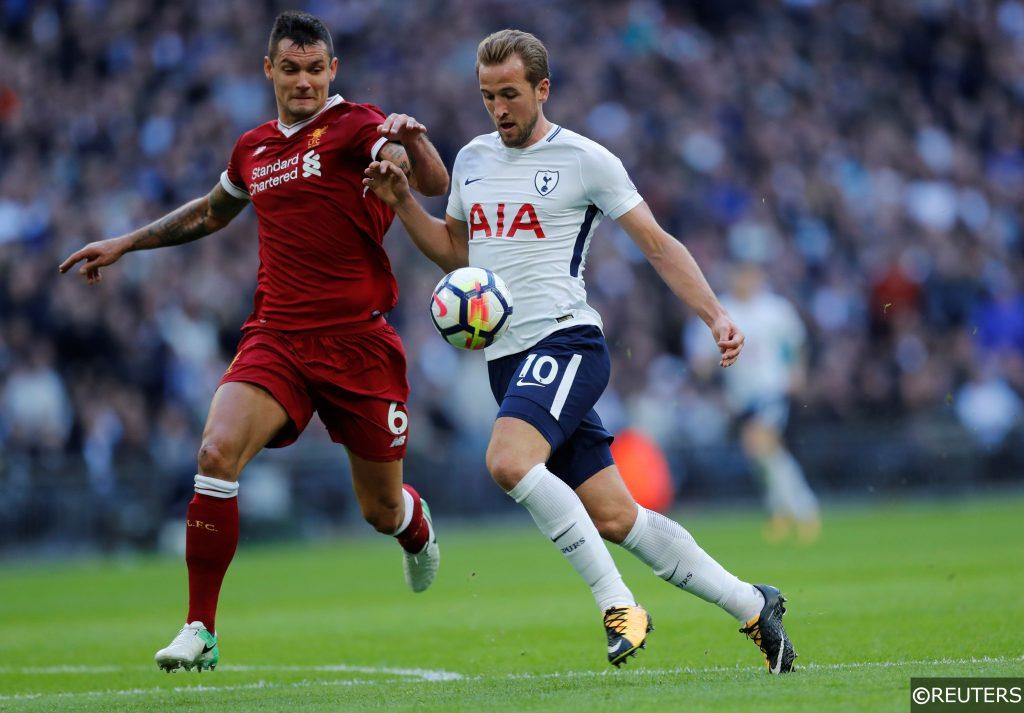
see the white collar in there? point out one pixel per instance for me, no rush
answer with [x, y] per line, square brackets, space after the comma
[546, 139]
[289, 130]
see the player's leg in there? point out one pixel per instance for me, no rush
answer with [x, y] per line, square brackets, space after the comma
[261, 401]
[788, 496]
[516, 459]
[374, 427]
[664, 545]
[396, 509]
[242, 419]
[674, 555]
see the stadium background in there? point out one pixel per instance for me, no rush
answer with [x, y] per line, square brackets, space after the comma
[868, 152]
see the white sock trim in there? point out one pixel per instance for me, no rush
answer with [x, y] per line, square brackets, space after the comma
[215, 487]
[407, 517]
[638, 529]
[530, 481]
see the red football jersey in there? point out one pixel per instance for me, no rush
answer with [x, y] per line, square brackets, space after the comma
[322, 260]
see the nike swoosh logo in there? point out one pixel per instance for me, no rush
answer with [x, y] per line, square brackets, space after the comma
[527, 383]
[474, 180]
[207, 648]
[560, 534]
[614, 649]
[778, 661]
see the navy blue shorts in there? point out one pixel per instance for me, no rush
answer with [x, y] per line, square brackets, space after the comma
[553, 386]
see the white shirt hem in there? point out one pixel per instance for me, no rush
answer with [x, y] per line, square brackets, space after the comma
[231, 188]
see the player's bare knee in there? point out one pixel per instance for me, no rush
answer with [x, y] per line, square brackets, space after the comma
[216, 461]
[506, 467]
[615, 526]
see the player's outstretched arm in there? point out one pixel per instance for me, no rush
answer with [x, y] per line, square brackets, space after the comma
[680, 271]
[194, 220]
[445, 242]
[414, 154]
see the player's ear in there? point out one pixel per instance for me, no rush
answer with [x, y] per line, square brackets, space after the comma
[267, 66]
[543, 90]
[334, 67]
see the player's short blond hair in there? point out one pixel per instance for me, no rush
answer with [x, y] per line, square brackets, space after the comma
[499, 46]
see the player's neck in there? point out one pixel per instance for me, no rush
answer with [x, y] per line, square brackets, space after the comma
[540, 130]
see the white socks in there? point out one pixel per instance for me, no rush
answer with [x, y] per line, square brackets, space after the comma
[407, 517]
[215, 487]
[674, 556]
[560, 515]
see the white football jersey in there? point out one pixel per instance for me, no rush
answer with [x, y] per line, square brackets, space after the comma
[530, 214]
[774, 335]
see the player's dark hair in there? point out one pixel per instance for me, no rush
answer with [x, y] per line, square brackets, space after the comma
[301, 28]
[498, 47]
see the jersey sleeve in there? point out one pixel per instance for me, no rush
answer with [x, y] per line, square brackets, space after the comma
[455, 208]
[231, 180]
[606, 183]
[366, 140]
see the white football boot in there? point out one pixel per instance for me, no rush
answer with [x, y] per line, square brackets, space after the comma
[420, 569]
[193, 647]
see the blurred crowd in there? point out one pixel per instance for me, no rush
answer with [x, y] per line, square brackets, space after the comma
[868, 153]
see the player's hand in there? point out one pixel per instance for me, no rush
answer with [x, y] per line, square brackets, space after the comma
[401, 128]
[388, 182]
[730, 340]
[96, 255]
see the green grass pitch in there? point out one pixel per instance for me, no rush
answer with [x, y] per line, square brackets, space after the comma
[886, 593]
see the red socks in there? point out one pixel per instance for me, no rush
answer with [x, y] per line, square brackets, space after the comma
[414, 535]
[211, 536]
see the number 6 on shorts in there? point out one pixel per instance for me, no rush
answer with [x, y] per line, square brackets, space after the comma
[398, 420]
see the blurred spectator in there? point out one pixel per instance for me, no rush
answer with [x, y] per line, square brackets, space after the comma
[988, 408]
[34, 403]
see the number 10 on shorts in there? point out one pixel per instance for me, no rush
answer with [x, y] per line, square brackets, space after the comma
[543, 370]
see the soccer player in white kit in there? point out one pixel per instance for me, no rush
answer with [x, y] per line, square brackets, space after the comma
[525, 201]
[758, 393]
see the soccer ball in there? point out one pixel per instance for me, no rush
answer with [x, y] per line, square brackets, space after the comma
[471, 307]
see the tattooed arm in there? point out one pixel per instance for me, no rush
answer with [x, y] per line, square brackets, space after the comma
[429, 176]
[194, 220]
[414, 154]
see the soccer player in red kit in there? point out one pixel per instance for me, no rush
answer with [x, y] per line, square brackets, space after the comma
[316, 339]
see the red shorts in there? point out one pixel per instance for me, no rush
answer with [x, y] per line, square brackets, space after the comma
[355, 381]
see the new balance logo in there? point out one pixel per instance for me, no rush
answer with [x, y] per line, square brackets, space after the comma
[399, 441]
[260, 150]
[310, 164]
